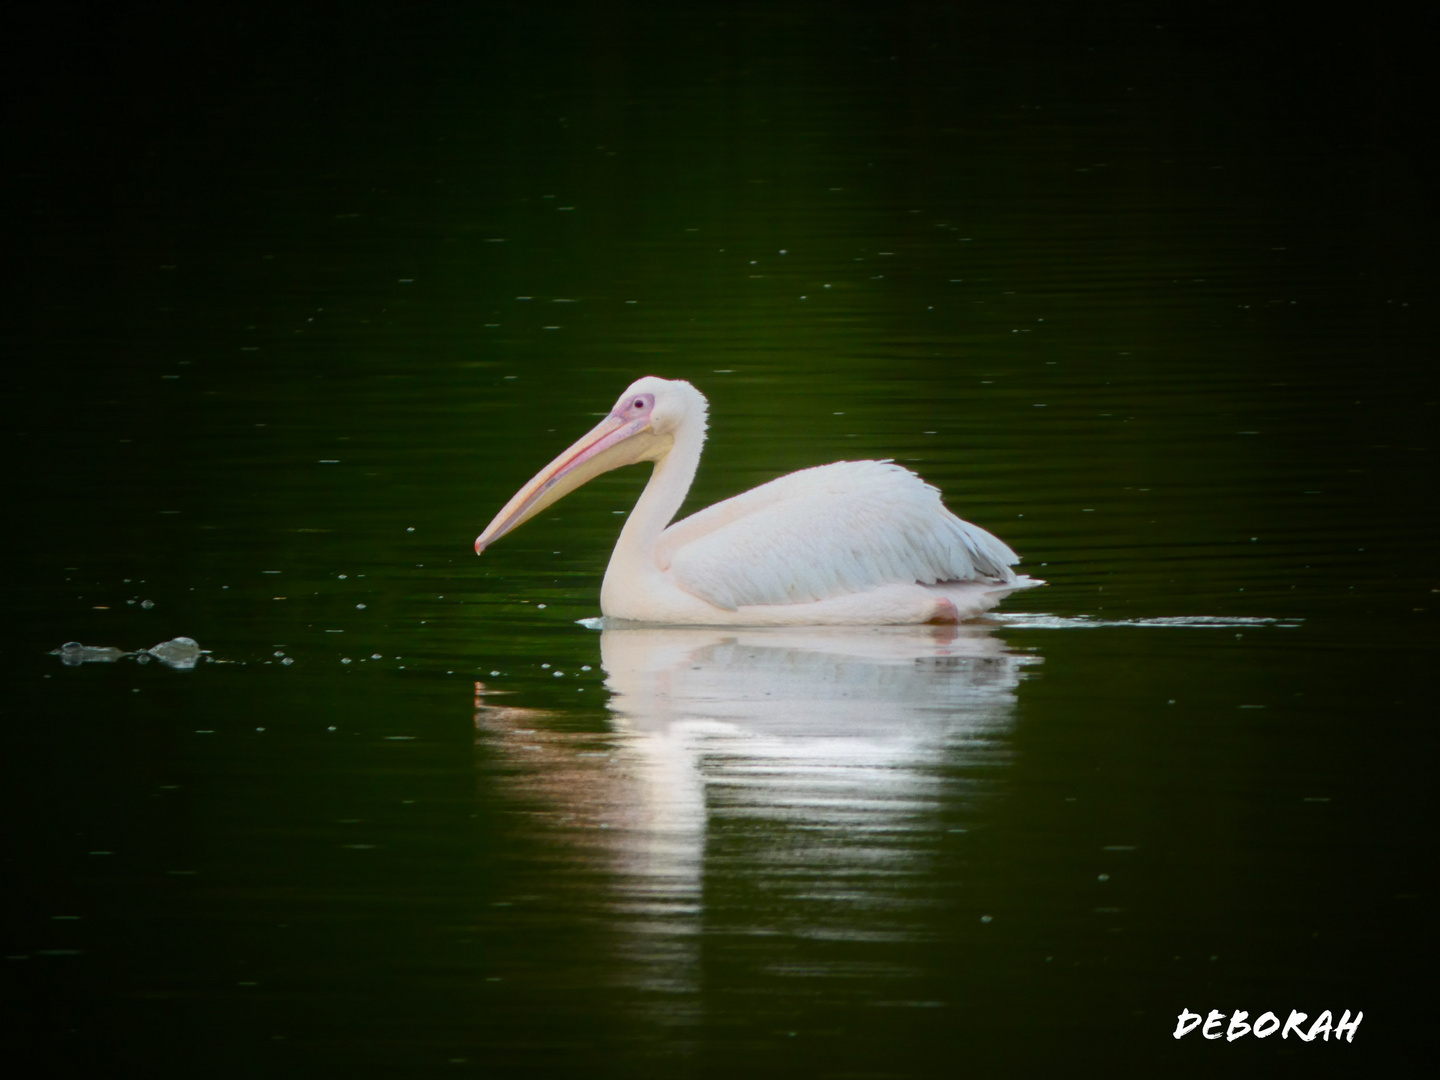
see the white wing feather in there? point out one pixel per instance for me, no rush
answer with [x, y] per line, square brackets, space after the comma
[828, 531]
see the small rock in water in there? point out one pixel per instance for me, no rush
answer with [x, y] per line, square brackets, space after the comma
[180, 653]
[73, 654]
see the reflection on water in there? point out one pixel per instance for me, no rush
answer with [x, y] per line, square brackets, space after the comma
[811, 764]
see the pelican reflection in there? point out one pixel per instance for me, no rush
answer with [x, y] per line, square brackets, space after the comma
[820, 765]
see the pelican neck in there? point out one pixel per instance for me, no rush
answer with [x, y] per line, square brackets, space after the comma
[660, 501]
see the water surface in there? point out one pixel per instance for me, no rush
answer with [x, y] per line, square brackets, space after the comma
[1149, 298]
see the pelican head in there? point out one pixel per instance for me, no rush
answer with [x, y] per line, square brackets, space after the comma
[642, 426]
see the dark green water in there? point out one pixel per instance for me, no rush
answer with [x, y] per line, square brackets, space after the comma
[299, 300]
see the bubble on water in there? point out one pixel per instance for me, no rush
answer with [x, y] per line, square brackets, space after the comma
[376, 656]
[359, 607]
[287, 661]
[147, 604]
[345, 659]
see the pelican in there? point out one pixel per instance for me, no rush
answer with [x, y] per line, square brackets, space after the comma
[852, 543]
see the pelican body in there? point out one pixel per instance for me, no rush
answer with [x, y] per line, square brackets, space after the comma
[851, 543]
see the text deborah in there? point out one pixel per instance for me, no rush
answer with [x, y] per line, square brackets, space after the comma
[1267, 1024]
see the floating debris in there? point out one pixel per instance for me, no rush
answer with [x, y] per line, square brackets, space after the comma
[73, 654]
[181, 653]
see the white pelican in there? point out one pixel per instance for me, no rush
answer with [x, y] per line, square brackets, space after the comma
[852, 543]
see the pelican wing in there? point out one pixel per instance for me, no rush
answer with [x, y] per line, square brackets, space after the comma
[828, 531]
